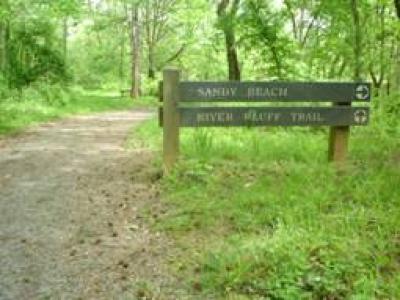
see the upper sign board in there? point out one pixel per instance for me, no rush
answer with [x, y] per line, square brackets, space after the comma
[275, 91]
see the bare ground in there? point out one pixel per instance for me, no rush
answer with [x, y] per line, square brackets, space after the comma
[71, 199]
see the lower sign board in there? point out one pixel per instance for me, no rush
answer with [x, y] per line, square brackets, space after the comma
[273, 116]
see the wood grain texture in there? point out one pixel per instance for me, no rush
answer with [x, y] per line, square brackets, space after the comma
[170, 118]
[273, 116]
[339, 140]
[275, 91]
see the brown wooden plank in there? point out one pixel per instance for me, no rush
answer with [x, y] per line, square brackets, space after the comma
[275, 91]
[339, 139]
[160, 116]
[170, 118]
[273, 116]
[160, 91]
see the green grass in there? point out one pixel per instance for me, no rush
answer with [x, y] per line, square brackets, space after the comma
[261, 214]
[17, 113]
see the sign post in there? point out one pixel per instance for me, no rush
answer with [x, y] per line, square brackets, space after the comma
[170, 96]
[338, 140]
[339, 117]
[339, 135]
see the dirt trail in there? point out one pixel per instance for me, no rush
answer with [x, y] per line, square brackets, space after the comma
[70, 226]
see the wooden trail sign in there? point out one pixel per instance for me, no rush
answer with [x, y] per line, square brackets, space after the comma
[274, 91]
[339, 116]
[272, 116]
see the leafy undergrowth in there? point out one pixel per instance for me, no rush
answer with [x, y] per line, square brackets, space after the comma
[40, 105]
[261, 214]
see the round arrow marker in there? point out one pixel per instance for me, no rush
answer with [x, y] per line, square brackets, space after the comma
[362, 92]
[360, 116]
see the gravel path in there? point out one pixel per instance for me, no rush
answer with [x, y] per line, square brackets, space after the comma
[70, 223]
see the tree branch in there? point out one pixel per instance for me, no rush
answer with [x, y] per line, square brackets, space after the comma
[292, 17]
[176, 55]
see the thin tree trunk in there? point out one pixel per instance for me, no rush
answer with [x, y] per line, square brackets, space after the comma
[231, 53]
[65, 39]
[90, 6]
[151, 16]
[277, 61]
[342, 68]
[136, 47]
[357, 40]
[396, 71]
[292, 17]
[3, 41]
[122, 58]
[2, 47]
[6, 53]
[382, 66]
[226, 17]
[151, 71]
[397, 6]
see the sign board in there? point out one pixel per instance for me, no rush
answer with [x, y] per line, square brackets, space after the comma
[273, 116]
[274, 91]
[339, 117]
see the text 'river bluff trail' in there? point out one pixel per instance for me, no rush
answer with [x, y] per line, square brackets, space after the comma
[255, 116]
[273, 116]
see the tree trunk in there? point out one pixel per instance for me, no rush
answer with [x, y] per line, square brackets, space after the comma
[122, 58]
[357, 40]
[90, 6]
[65, 39]
[396, 71]
[226, 18]
[232, 57]
[136, 47]
[395, 86]
[5, 53]
[397, 6]
[151, 71]
[2, 47]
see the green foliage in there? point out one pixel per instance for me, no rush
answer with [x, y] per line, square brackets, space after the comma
[272, 219]
[295, 39]
[31, 57]
[30, 48]
[263, 32]
[40, 103]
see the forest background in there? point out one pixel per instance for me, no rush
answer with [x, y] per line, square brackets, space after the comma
[48, 47]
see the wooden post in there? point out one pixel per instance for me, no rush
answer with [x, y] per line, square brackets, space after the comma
[338, 141]
[160, 103]
[170, 118]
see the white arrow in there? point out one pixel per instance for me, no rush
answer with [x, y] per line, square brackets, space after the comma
[362, 92]
[360, 116]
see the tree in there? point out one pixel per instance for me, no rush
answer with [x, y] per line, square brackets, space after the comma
[357, 40]
[136, 50]
[261, 30]
[4, 36]
[303, 17]
[158, 26]
[226, 11]
[30, 49]
[396, 73]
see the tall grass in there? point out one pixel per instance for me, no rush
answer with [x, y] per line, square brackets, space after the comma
[261, 214]
[19, 109]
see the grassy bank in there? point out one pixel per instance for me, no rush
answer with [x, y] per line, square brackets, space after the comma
[20, 110]
[260, 214]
